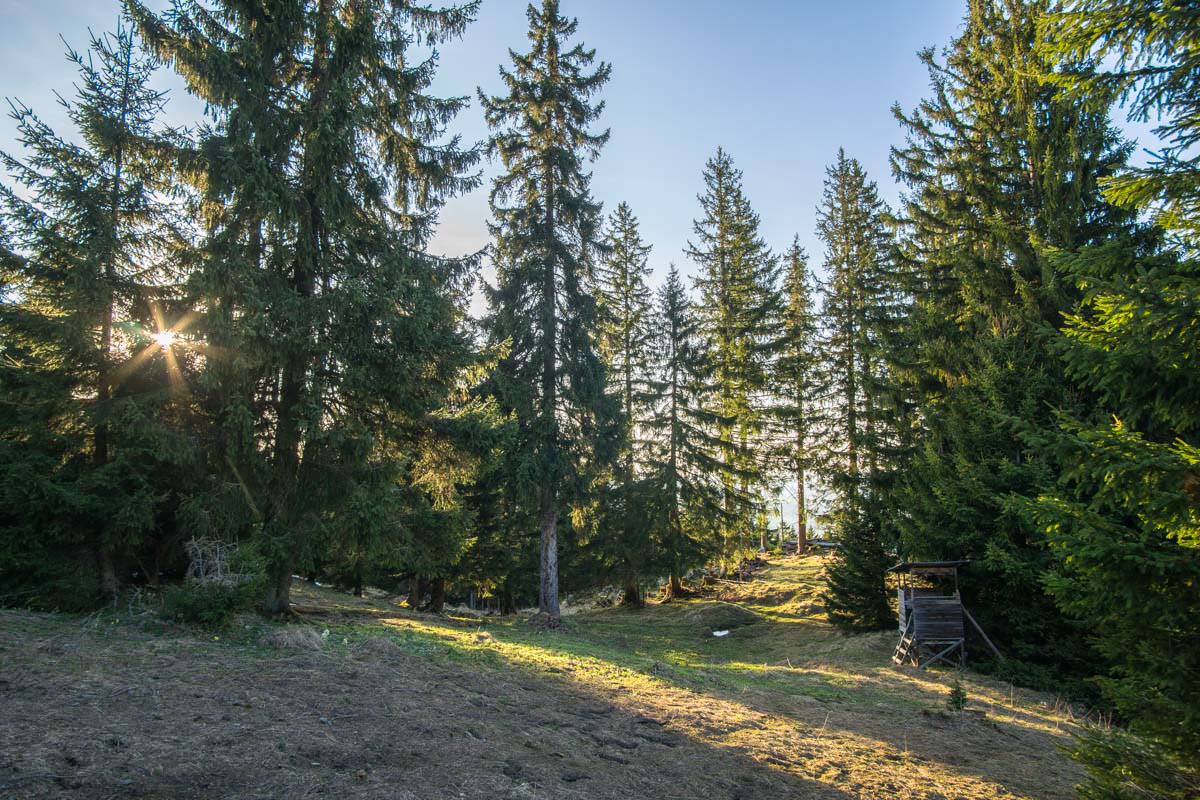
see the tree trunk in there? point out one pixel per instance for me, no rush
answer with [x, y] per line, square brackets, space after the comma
[437, 595]
[416, 592]
[801, 515]
[286, 466]
[548, 499]
[279, 587]
[108, 575]
[100, 455]
[632, 595]
[869, 410]
[851, 400]
[508, 603]
[289, 431]
[548, 594]
[674, 587]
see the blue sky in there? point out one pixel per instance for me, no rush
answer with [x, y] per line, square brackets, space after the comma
[780, 85]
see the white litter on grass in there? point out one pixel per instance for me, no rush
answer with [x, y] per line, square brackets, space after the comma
[720, 633]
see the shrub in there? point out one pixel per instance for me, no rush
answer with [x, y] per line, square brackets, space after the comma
[1122, 766]
[214, 602]
[210, 603]
[957, 700]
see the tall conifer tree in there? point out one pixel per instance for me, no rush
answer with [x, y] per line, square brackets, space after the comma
[1123, 521]
[625, 307]
[999, 164]
[685, 463]
[545, 231]
[334, 337]
[857, 295]
[737, 307]
[797, 378]
[81, 366]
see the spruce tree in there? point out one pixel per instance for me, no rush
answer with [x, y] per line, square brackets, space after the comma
[1122, 520]
[685, 455]
[624, 308]
[797, 378]
[333, 337]
[545, 232]
[999, 164]
[856, 298]
[85, 382]
[738, 304]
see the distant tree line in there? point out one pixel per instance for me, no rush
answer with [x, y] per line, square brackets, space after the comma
[236, 332]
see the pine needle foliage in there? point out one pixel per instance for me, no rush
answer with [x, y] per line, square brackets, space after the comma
[736, 311]
[545, 231]
[685, 461]
[858, 299]
[625, 331]
[855, 298]
[798, 379]
[1123, 519]
[625, 307]
[333, 336]
[93, 432]
[999, 164]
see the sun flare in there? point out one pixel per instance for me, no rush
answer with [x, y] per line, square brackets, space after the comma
[165, 339]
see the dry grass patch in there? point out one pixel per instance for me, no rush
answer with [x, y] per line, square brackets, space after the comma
[616, 703]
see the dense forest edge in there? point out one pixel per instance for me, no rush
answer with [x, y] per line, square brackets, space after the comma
[230, 365]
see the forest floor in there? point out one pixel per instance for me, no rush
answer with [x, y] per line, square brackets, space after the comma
[363, 699]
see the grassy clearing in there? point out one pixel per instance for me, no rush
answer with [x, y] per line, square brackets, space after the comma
[617, 703]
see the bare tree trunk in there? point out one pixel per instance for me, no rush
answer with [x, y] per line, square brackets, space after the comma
[632, 595]
[508, 603]
[437, 595]
[279, 590]
[416, 592]
[286, 464]
[548, 594]
[674, 587]
[801, 515]
[108, 575]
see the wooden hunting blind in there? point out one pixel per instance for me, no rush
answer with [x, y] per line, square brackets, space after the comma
[932, 614]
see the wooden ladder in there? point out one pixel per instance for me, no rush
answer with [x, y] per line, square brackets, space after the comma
[906, 643]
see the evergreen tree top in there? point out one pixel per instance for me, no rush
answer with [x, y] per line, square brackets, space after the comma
[738, 272]
[1147, 54]
[541, 126]
[276, 78]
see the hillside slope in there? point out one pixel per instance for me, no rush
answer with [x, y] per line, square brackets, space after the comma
[618, 704]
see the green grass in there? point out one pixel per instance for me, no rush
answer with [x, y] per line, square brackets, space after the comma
[786, 691]
[784, 655]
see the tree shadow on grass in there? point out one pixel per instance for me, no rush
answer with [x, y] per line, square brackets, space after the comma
[842, 687]
[876, 728]
[189, 718]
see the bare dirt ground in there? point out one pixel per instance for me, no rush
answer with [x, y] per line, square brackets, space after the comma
[620, 704]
